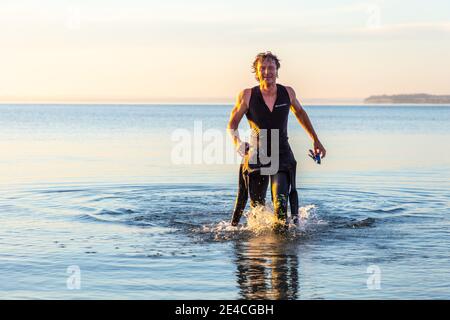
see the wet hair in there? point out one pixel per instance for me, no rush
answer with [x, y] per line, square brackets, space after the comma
[260, 57]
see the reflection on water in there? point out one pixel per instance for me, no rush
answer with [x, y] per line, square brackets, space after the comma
[267, 268]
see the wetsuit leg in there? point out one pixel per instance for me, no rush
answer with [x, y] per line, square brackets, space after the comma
[242, 197]
[258, 184]
[293, 196]
[280, 193]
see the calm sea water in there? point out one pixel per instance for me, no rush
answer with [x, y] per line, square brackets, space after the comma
[94, 205]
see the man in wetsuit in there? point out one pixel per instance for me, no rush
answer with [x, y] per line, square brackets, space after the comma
[268, 155]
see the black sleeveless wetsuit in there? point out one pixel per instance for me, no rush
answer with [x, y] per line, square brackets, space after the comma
[253, 179]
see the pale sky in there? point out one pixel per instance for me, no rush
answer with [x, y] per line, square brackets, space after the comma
[202, 50]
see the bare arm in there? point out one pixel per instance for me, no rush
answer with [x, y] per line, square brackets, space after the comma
[240, 108]
[304, 121]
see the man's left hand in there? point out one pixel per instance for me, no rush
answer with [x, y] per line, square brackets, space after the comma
[319, 149]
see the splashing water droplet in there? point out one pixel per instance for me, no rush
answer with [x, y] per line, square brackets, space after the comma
[262, 220]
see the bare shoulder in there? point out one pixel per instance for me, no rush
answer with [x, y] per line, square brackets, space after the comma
[247, 92]
[295, 104]
[291, 93]
[244, 96]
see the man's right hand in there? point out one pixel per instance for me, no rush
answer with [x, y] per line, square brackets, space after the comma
[243, 149]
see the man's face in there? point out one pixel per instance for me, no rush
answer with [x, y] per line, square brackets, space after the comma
[267, 71]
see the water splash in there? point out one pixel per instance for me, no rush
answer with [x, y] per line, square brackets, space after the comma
[262, 220]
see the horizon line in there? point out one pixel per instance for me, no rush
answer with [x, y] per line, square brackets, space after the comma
[187, 101]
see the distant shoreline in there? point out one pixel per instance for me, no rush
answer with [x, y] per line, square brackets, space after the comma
[221, 104]
[381, 100]
[421, 98]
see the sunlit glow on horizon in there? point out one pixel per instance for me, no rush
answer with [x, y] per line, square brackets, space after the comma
[173, 51]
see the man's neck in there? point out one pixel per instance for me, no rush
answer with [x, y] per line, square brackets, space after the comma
[268, 89]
